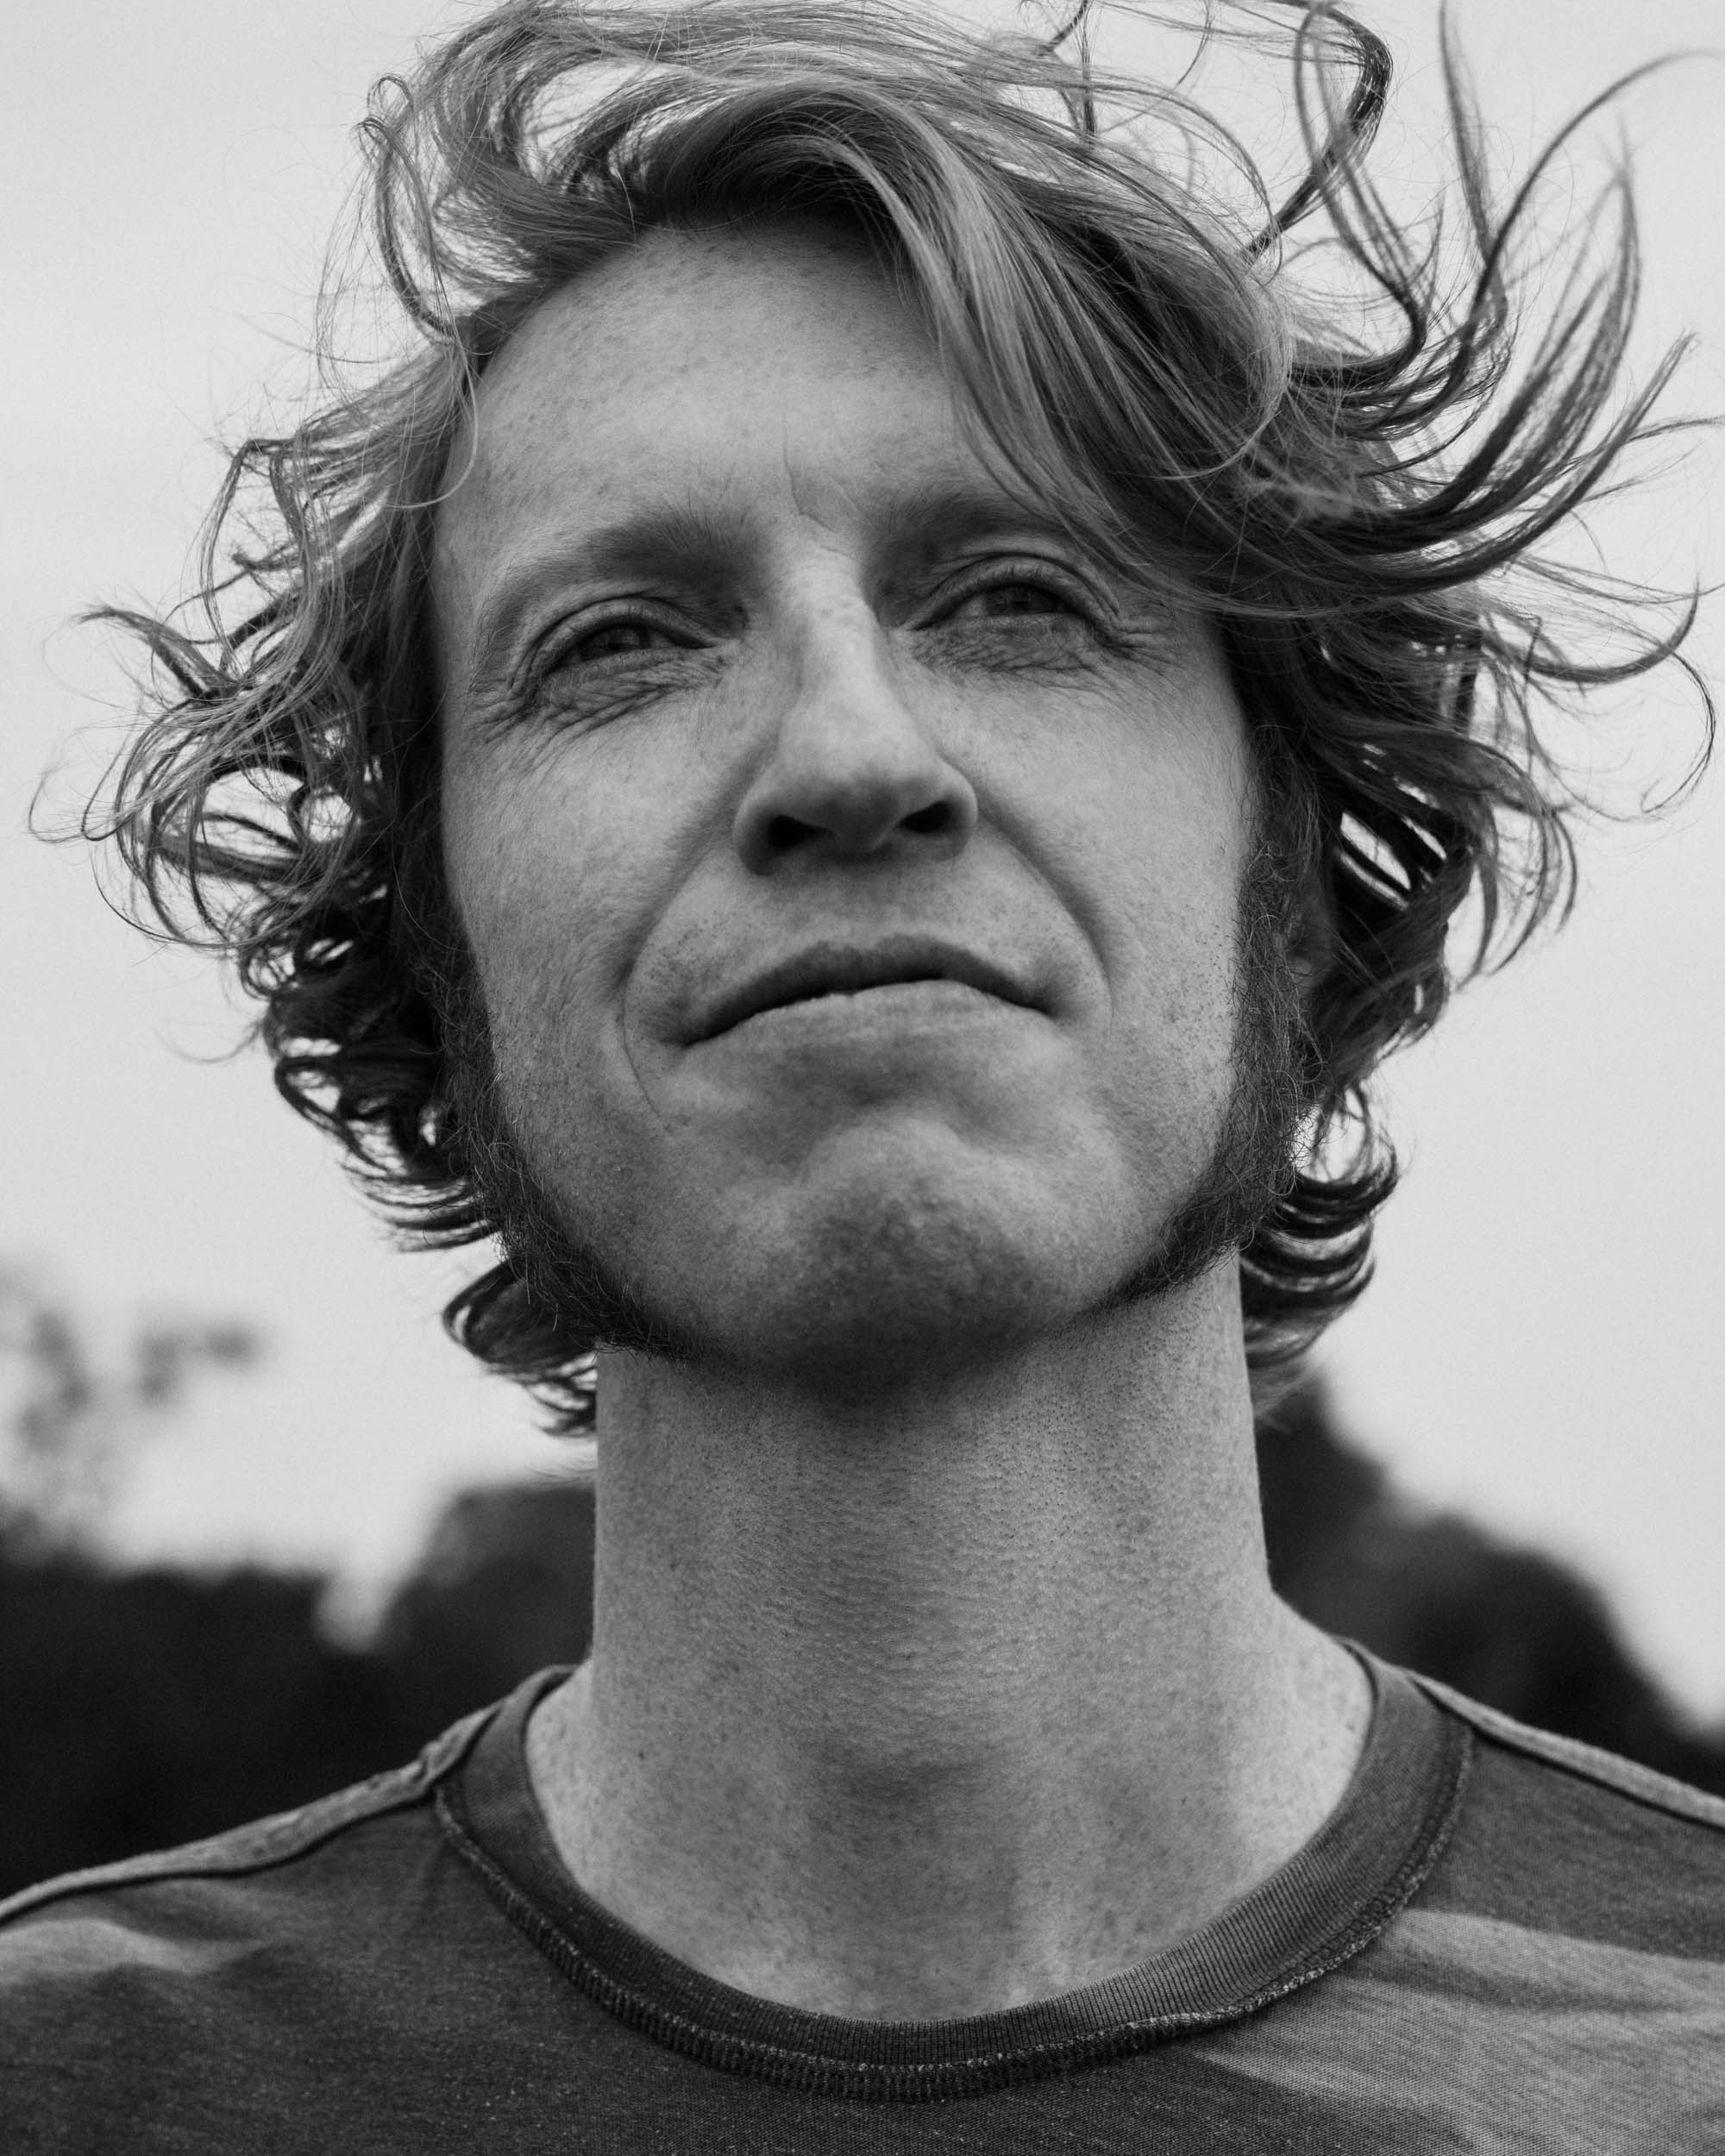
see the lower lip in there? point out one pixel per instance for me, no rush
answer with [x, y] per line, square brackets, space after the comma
[896, 1011]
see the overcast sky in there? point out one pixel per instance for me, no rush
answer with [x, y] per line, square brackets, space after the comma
[1544, 1344]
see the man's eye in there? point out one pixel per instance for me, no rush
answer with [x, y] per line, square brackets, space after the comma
[613, 640]
[1011, 599]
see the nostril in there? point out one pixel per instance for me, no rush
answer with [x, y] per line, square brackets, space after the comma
[849, 808]
[784, 834]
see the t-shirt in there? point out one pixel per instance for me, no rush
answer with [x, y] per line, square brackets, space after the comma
[1499, 1940]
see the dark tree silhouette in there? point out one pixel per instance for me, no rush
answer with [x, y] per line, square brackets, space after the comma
[147, 1707]
[1510, 1626]
[505, 1586]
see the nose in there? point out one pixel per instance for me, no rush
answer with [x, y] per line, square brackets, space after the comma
[851, 773]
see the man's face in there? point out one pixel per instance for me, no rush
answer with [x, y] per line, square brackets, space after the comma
[850, 867]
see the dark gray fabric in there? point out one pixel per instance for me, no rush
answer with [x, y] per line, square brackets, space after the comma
[1499, 1942]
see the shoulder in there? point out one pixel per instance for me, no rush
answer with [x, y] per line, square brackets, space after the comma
[1568, 1840]
[119, 1985]
[1557, 1980]
[242, 1856]
[1603, 1771]
[221, 1983]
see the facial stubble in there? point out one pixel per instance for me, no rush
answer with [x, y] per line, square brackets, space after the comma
[575, 1294]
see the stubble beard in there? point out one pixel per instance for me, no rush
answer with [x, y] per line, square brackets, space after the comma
[576, 1294]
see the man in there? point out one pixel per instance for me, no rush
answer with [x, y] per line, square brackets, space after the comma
[860, 758]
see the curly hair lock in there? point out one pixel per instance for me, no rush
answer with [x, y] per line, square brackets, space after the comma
[1359, 510]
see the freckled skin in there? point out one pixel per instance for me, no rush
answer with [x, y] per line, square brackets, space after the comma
[827, 721]
[936, 1666]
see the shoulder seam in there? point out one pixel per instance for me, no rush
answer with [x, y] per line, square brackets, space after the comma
[262, 1844]
[1643, 1785]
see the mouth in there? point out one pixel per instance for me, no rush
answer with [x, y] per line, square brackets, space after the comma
[837, 970]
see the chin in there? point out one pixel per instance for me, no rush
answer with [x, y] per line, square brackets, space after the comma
[872, 1268]
[909, 1284]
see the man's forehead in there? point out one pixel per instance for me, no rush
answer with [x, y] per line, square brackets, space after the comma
[641, 421]
[636, 356]
[658, 313]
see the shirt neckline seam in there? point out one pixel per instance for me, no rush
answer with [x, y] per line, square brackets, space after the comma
[827, 2073]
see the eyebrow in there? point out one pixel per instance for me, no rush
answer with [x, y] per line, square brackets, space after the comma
[916, 526]
[663, 538]
[932, 519]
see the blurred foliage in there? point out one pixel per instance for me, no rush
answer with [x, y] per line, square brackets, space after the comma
[150, 1707]
[72, 1414]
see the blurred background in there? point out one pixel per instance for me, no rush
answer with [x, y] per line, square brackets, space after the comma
[262, 1529]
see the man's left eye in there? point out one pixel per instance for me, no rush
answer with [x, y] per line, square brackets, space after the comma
[1009, 599]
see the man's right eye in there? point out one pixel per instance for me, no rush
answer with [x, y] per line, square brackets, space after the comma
[614, 640]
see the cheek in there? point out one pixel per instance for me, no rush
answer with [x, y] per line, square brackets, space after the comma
[543, 890]
[565, 849]
[1159, 830]
[1143, 817]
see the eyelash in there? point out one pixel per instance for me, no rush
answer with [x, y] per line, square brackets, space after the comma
[558, 648]
[1030, 574]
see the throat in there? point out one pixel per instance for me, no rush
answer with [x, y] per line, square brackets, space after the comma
[904, 1722]
[882, 1888]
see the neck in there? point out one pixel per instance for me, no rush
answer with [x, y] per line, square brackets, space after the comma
[926, 1704]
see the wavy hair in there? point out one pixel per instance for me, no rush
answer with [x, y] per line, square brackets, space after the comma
[1356, 492]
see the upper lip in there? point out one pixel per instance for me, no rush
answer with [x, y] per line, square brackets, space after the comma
[834, 968]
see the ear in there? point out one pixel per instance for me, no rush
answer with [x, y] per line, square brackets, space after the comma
[1312, 930]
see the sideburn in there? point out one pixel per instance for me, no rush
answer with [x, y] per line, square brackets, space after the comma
[539, 1314]
[1252, 1166]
